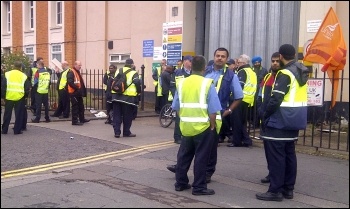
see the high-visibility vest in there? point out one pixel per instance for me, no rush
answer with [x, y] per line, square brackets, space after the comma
[193, 92]
[159, 70]
[63, 79]
[131, 89]
[250, 86]
[43, 82]
[15, 85]
[104, 85]
[266, 78]
[76, 81]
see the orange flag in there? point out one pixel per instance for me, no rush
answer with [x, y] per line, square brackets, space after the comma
[329, 48]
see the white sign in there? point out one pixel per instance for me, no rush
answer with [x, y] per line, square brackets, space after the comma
[157, 53]
[315, 92]
[57, 64]
[313, 26]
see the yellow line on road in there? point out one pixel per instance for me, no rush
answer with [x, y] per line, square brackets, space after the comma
[35, 169]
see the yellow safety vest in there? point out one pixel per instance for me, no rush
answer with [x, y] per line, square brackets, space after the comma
[158, 75]
[43, 82]
[104, 85]
[63, 79]
[193, 92]
[15, 85]
[297, 95]
[250, 86]
[131, 90]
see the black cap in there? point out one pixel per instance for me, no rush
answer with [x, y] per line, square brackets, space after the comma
[231, 61]
[129, 62]
[287, 49]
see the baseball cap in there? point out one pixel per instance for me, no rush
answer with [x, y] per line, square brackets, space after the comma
[188, 57]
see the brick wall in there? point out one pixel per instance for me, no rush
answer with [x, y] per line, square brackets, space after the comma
[70, 31]
[41, 28]
[17, 26]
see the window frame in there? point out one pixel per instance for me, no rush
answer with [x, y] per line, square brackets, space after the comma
[119, 58]
[58, 13]
[54, 52]
[8, 16]
[29, 54]
[31, 14]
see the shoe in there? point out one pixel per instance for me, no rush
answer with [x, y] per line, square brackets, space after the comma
[269, 196]
[108, 122]
[86, 121]
[222, 140]
[265, 180]
[246, 145]
[61, 117]
[171, 168]
[130, 135]
[21, 132]
[182, 188]
[233, 145]
[3, 132]
[177, 141]
[77, 124]
[55, 116]
[204, 192]
[230, 139]
[208, 179]
[48, 120]
[116, 136]
[288, 194]
[35, 121]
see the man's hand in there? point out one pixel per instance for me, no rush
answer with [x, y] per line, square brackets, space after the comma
[227, 112]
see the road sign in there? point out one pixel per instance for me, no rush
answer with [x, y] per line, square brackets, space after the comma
[148, 46]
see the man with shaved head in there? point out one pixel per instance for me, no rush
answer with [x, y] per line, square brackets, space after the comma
[63, 108]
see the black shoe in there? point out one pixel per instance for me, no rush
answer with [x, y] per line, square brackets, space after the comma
[61, 117]
[108, 122]
[77, 124]
[288, 194]
[269, 196]
[85, 121]
[171, 168]
[54, 116]
[21, 132]
[48, 120]
[230, 139]
[35, 121]
[182, 188]
[233, 145]
[221, 139]
[204, 192]
[265, 180]
[177, 141]
[130, 135]
[116, 136]
[246, 145]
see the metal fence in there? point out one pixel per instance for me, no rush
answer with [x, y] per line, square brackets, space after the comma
[327, 128]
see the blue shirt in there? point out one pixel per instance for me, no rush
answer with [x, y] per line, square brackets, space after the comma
[235, 87]
[212, 101]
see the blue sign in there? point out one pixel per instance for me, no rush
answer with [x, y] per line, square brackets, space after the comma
[148, 47]
[177, 46]
[172, 62]
[174, 54]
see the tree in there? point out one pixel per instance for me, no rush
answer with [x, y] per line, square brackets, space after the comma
[7, 61]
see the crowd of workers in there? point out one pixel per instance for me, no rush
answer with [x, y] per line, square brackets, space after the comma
[211, 99]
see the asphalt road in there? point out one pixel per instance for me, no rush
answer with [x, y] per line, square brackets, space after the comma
[44, 167]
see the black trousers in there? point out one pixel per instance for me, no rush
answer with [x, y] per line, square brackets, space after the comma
[282, 164]
[78, 109]
[41, 99]
[19, 107]
[199, 148]
[32, 98]
[239, 131]
[177, 131]
[157, 104]
[63, 107]
[122, 114]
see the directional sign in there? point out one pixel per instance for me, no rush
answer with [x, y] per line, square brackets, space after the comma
[172, 42]
[148, 46]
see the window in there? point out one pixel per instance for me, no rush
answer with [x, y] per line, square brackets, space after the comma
[118, 58]
[56, 52]
[58, 12]
[175, 11]
[8, 16]
[31, 15]
[6, 50]
[29, 51]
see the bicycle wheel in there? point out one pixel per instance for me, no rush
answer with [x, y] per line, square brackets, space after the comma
[166, 116]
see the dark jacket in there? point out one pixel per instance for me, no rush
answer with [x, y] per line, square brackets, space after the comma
[70, 81]
[168, 82]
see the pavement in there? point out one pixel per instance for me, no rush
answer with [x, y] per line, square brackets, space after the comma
[136, 176]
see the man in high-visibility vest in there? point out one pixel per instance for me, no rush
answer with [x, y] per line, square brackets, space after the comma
[282, 118]
[248, 81]
[157, 86]
[14, 89]
[42, 82]
[199, 106]
[63, 108]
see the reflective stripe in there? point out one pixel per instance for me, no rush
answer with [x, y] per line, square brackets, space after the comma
[293, 104]
[194, 105]
[279, 139]
[194, 119]
[218, 117]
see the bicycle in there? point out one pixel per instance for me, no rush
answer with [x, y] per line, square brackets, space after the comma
[167, 116]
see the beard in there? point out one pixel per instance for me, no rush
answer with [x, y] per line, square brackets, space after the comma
[281, 64]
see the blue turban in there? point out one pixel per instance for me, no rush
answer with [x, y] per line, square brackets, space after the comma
[256, 59]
